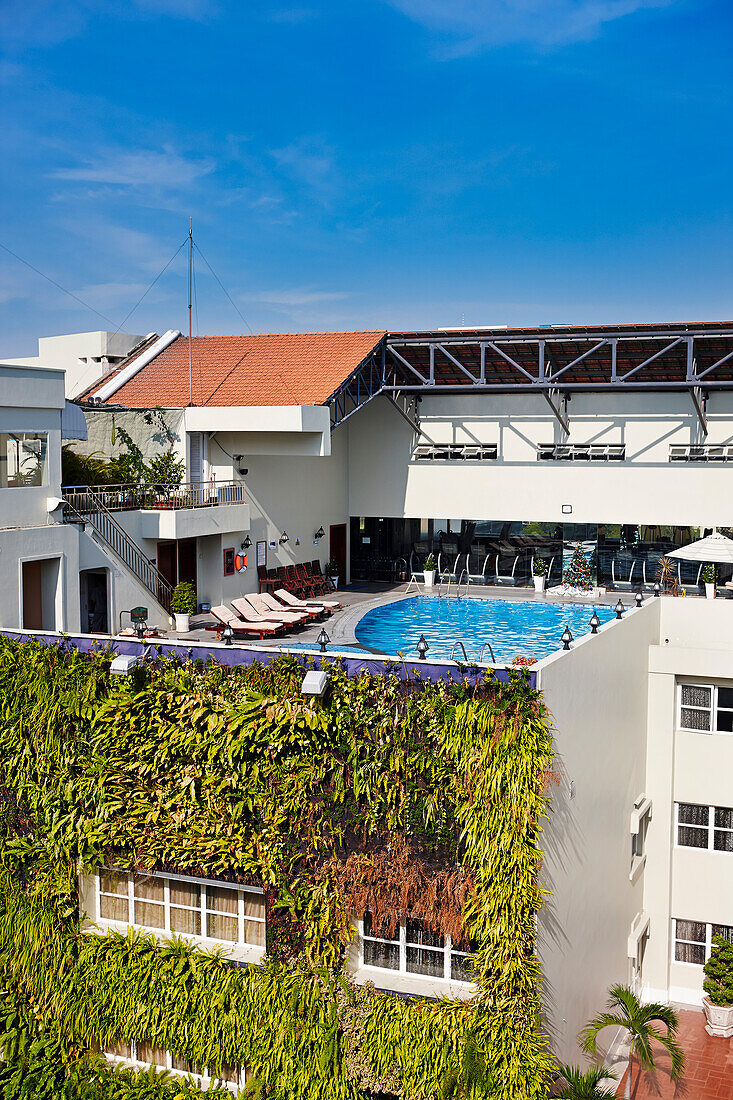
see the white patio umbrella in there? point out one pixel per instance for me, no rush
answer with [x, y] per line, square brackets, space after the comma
[713, 548]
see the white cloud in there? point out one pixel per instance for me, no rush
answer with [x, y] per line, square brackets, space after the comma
[309, 161]
[473, 24]
[139, 168]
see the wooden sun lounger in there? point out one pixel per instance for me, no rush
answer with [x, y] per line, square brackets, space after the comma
[251, 603]
[274, 605]
[292, 601]
[225, 616]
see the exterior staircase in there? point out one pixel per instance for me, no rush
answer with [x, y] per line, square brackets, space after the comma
[86, 507]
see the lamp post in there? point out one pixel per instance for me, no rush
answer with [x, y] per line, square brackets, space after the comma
[657, 588]
[594, 623]
[227, 634]
[322, 640]
[422, 647]
[639, 599]
[566, 638]
[140, 630]
[619, 608]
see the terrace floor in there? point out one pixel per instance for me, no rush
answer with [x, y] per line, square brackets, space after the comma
[708, 1067]
[357, 599]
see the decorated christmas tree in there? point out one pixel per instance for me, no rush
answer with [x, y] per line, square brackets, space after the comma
[578, 573]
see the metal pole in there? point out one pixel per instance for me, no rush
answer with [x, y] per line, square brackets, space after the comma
[190, 265]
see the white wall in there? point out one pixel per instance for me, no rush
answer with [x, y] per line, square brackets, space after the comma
[21, 544]
[695, 643]
[597, 695]
[384, 481]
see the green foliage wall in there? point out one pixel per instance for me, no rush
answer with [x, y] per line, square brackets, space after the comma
[379, 797]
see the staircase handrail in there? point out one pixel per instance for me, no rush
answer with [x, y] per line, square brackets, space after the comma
[124, 547]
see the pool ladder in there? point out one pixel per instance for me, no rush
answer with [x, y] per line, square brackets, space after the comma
[465, 655]
[464, 573]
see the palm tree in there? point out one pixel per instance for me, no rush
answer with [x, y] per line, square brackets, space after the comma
[626, 1011]
[584, 1084]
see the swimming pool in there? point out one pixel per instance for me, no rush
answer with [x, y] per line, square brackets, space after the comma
[513, 627]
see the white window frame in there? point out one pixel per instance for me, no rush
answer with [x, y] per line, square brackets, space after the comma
[206, 1079]
[711, 828]
[712, 710]
[639, 820]
[167, 878]
[401, 937]
[708, 940]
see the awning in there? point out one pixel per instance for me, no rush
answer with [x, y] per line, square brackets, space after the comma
[713, 548]
[73, 422]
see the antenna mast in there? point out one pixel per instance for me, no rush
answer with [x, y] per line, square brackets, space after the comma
[190, 264]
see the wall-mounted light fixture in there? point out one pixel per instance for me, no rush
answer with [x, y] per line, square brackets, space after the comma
[319, 534]
[246, 542]
[239, 459]
[284, 538]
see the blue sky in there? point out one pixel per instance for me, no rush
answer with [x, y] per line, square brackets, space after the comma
[365, 163]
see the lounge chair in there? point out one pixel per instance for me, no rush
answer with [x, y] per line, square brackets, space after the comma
[247, 614]
[299, 605]
[273, 605]
[224, 616]
[251, 603]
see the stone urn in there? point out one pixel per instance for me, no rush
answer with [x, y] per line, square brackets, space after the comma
[719, 1019]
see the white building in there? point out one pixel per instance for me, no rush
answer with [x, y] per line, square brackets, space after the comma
[84, 356]
[498, 445]
[57, 575]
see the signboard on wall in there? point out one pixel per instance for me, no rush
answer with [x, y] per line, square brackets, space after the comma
[229, 562]
[261, 553]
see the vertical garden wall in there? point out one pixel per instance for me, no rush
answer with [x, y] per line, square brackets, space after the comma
[389, 797]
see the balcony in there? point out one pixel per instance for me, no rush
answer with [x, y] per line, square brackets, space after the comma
[188, 510]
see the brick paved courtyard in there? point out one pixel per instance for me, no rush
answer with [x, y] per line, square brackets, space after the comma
[709, 1067]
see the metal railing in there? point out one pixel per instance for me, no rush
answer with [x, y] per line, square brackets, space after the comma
[124, 498]
[93, 511]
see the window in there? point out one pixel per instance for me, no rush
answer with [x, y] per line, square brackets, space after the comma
[709, 827]
[22, 459]
[700, 452]
[450, 452]
[581, 452]
[693, 940]
[706, 708]
[143, 1054]
[191, 907]
[411, 949]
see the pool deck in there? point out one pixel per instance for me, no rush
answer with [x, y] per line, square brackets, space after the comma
[357, 600]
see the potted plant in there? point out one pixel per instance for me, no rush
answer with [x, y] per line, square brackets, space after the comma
[183, 605]
[332, 572]
[718, 984]
[429, 571]
[708, 578]
[539, 573]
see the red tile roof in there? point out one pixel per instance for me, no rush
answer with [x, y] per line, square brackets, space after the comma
[287, 369]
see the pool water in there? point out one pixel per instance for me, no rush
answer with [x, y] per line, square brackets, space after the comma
[513, 627]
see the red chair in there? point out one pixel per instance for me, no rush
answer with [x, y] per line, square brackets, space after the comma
[265, 581]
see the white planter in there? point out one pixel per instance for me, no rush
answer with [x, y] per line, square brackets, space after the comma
[183, 624]
[710, 591]
[719, 1019]
[429, 577]
[540, 583]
